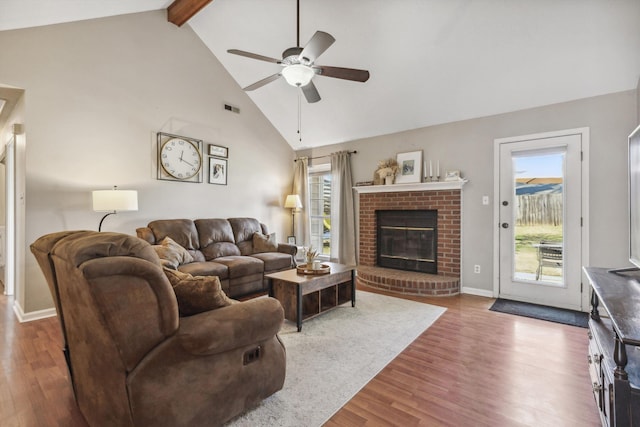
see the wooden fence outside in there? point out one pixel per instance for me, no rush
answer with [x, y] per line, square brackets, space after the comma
[539, 209]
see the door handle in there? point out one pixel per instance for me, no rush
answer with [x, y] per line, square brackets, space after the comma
[505, 225]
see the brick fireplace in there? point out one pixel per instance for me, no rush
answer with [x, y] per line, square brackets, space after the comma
[443, 197]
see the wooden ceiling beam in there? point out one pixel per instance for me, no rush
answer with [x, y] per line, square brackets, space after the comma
[180, 11]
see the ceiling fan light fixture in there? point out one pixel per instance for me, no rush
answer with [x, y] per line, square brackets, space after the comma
[297, 75]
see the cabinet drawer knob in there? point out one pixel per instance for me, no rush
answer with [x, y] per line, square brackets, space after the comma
[597, 387]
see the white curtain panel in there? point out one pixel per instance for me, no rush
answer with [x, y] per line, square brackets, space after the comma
[343, 236]
[302, 222]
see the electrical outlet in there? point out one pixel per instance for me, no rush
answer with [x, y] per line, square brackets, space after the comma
[485, 200]
[476, 268]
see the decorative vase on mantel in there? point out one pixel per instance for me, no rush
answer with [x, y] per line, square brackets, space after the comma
[386, 172]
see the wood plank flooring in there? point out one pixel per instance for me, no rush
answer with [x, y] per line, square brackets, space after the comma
[473, 367]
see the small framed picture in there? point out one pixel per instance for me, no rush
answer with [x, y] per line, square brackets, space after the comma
[217, 171]
[452, 176]
[291, 240]
[218, 151]
[410, 165]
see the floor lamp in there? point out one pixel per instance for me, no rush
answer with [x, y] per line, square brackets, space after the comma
[294, 203]
[114, 200]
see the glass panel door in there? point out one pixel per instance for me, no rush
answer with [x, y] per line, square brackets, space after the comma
[538, 181]
[540, 210]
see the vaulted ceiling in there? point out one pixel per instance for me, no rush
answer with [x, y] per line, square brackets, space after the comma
[431, 61]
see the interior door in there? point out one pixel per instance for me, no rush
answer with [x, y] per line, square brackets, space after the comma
[540, 216]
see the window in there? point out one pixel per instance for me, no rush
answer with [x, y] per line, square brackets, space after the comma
[320, 212]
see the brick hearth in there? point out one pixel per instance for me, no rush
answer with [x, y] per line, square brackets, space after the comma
[412, 197]
[408, 282]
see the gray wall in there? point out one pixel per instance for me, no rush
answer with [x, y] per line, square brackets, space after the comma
[95, 93]
[468, 146]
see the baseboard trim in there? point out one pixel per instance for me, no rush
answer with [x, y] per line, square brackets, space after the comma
[32, 315]
[476, 291]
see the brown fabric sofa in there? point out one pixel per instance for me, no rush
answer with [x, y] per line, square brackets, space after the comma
[134, 361]
[223, 248]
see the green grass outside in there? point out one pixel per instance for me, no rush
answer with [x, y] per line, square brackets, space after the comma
[526, 237]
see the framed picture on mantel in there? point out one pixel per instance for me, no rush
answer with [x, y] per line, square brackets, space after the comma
[410, 165]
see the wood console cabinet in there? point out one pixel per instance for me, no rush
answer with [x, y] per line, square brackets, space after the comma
[614, 345]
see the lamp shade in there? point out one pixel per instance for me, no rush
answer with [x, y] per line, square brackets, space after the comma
[115, 200]
[298, 75]
[293, 202]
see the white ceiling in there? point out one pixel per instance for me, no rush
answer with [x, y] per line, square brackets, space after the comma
[431, 61]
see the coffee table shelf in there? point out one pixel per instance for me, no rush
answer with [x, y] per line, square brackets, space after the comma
[331, 297]
[306, 296]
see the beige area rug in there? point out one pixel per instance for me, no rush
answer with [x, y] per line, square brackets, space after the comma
[336, 354]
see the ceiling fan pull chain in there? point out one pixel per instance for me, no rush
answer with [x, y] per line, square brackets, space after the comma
[299, 117]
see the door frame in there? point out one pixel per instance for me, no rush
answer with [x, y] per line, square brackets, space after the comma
[9, 160]
[584, 235]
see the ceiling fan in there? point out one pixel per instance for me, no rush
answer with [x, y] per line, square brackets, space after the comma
[299, 65]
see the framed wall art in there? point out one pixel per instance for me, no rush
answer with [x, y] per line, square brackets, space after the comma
[410, 167]
[217, 171]
[218, 151]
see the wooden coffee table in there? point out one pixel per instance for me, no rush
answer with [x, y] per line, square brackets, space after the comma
[304, 296]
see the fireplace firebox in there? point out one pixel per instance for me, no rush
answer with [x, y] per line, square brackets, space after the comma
[408, 240]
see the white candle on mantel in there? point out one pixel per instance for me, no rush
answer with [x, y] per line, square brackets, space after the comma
[438, 168]
[430, 168]
[425, 168]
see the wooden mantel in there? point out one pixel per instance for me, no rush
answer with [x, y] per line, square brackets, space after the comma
[418, 186]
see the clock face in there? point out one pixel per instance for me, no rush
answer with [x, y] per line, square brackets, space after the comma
[180, 158]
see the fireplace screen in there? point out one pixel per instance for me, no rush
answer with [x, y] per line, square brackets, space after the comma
[408, 240]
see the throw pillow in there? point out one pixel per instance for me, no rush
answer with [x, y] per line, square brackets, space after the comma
[263, 243]
[196, 294]
[172, 254]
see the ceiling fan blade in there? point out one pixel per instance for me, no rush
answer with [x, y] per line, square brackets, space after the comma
[254, 56]
[342, 73]
[316, 46]
[262, 82]
[311, 93]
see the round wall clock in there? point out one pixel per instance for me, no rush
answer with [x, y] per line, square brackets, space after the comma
[179, 158]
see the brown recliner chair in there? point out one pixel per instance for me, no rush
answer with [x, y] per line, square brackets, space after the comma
[133, 360]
